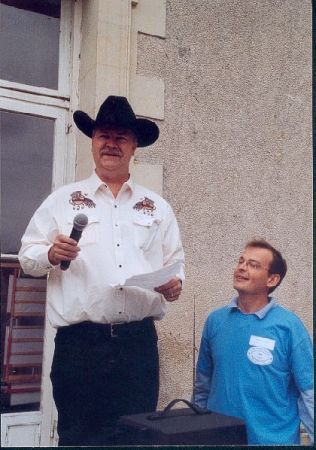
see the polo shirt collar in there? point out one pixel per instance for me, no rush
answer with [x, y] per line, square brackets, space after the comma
[261, 313]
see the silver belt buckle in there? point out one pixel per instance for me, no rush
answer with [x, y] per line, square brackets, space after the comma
[112, 332]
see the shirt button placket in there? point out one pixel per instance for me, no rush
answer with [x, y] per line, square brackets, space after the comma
[120, 292]
[117, 237]
[119, 303]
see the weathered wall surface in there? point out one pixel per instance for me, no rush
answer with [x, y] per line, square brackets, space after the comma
[236, 150]
[229, 83]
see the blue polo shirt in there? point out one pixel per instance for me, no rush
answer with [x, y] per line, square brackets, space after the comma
[257, 365]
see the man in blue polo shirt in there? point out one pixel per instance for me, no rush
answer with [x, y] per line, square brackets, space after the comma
[256, 360]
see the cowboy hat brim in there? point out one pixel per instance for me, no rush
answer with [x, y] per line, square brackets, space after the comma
[146, 131]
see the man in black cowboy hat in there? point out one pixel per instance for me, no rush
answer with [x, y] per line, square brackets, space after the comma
[106, 360]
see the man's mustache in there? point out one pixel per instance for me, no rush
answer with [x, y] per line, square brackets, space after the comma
[111, 152]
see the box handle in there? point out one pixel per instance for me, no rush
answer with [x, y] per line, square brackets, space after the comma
[164, 413]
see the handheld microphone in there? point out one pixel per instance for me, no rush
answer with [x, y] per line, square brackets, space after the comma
[80, 222]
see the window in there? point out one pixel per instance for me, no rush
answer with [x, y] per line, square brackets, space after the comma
[29, 43]
[26, 171]
[34, 45]
[37, 44]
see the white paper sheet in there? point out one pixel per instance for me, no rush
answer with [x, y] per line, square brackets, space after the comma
[154, 279]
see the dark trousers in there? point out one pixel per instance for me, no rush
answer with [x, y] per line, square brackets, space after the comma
[97, 378]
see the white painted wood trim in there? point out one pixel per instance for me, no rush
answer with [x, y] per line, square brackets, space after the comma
[30, 89]
[64, 154]
[49, 413]
[75, 54]
[65, 42]
[74, 97]
[21, 420]
[27, 97]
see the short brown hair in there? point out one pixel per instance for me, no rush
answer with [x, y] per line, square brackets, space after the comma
[278, 264]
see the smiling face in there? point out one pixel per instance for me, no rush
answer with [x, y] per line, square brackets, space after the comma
[251, 275]
[112, 150]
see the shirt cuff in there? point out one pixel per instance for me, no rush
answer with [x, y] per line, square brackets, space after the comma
[306, 412]
[37, 263]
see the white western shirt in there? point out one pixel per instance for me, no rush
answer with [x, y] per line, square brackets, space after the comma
[134, 233]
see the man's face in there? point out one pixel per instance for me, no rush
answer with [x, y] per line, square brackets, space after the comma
[251, 275]
[112, 150]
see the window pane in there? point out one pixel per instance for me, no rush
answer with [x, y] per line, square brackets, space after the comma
[26, 172]
[23, 302]
[29, 42]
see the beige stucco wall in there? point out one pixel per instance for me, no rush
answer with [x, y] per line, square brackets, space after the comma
[236, 150]
[235, 142]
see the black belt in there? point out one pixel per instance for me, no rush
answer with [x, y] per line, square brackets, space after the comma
[110, 330]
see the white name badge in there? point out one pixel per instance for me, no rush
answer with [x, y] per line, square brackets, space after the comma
[260, 356]
[262, 342]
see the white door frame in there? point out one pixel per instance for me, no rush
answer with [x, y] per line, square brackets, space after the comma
[40, 423]
[58, 105]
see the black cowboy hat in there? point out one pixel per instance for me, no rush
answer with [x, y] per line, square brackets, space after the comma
[117, 112]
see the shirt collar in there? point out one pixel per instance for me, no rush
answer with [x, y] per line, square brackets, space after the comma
[233, 305]
[130, 183]
[93, 183]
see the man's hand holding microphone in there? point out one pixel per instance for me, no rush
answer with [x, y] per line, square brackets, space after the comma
[65, 249]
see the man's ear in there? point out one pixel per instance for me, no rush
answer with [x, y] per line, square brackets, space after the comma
[273, 280]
